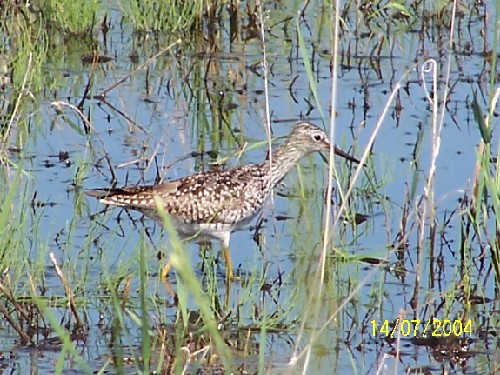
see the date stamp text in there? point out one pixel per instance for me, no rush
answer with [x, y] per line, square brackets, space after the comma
[415, 327]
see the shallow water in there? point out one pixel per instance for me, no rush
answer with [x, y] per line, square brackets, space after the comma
[188, 100]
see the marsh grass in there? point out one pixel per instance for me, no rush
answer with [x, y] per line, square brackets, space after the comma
[28, 55]
[73, 17]
[14, 252]
[426, 247]
[120, 306]
[23, 282]
[24, 60]
[486, 187]
[182, 324]
[171, 15]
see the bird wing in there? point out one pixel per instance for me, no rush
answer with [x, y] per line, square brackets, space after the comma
[213, 196]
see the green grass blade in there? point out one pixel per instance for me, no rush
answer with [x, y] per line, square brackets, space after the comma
[479, 116]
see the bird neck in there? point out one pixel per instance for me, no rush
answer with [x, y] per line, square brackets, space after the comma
[282, 160]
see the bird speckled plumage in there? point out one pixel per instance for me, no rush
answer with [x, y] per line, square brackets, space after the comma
[215, 203]
[213, 197]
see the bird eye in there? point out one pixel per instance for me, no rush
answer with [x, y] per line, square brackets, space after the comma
[317, 137]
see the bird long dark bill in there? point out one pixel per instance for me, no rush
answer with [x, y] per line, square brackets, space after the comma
[345, 155]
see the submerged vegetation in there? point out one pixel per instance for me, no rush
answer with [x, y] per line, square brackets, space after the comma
[351, 269]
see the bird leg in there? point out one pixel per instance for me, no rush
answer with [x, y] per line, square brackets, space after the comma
[229, 274]
[165, 270]
[229, 267]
